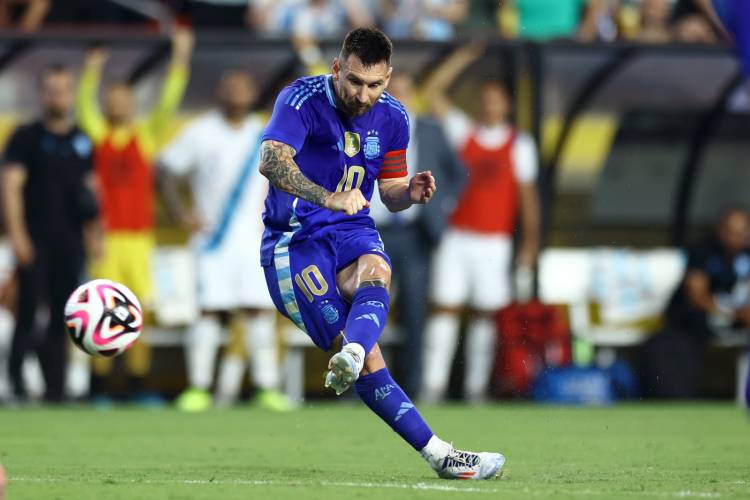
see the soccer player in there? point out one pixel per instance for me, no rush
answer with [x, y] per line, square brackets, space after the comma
[219, 152]
[125, 147]
[413, 235]
[329, 139]
[474, 259]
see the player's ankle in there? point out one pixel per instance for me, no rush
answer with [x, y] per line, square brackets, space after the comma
[357, 352]
[435, 449]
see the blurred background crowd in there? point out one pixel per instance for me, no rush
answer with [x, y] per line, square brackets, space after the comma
[652, 21]
[589, 241]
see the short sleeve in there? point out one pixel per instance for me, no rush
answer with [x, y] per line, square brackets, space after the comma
[290, 121]
[525, 161]
[180, 155]
[457, 126]
[394, 163]
[19, 148]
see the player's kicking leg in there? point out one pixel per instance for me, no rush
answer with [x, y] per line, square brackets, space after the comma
[360, 363]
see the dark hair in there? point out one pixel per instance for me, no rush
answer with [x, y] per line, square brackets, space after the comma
[370, 45]
[237, 72]
[52, 69]
[730, 209]
[118, 84]
[494, 83]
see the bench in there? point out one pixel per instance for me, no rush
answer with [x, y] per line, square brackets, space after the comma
[629, 287]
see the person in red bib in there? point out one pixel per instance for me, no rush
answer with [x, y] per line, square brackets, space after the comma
[125, 146]
[472, 266]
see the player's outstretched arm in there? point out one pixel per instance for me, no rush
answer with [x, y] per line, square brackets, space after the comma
[278, 165]
[88, 113]
[437, 86]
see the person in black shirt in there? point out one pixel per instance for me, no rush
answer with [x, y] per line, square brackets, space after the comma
[715, 290]
[714, 296]
[47, 202]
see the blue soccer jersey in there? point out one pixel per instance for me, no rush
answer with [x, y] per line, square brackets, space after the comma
[335, 151]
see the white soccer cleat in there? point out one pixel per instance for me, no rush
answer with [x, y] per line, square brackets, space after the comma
[344, 368]
[457, 464]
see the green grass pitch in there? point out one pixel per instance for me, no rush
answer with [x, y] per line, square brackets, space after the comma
[342, 451]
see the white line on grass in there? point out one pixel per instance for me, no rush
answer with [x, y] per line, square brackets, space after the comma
[264, 482]
[353, 484]
[349, 484]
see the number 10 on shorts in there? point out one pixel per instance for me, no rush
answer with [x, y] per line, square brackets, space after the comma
[311, 282]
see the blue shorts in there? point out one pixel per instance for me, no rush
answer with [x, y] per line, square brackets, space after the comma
[301, 277]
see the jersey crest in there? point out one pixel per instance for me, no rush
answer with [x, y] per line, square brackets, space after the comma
[372, 145]
[351, 144]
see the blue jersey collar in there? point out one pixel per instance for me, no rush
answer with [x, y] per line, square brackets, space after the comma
[329, 91]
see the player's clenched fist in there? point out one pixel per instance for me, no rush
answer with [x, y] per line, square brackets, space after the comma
[349, 202]
[421, 187]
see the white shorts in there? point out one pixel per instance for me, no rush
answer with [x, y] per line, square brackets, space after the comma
[472, 269]
[231, 277]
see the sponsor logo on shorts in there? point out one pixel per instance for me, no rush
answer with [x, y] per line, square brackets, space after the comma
[329, 312]
[383, 392]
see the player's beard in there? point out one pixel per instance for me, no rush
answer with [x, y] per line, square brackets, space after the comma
[56, 113]
[354, 109]
[235, 113]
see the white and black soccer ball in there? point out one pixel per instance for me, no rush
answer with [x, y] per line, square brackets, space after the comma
[103, 317]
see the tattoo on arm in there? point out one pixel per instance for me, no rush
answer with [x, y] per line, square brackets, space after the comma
[278, 165]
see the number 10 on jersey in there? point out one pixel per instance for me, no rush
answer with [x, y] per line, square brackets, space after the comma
[352, 178]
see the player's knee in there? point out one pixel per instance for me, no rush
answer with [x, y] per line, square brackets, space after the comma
[373, 270]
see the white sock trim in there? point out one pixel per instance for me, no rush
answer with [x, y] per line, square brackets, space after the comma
[358, 351]
[435, 449]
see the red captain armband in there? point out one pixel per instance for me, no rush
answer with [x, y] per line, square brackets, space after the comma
[394, 165]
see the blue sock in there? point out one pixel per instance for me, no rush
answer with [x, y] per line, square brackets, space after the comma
[383, 395]
[367, 316]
